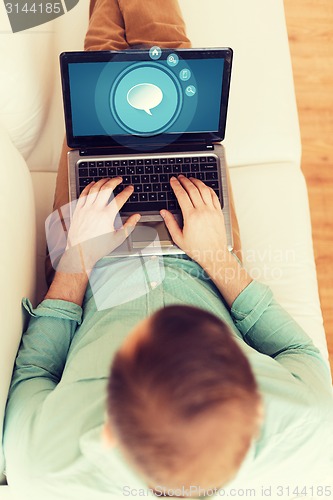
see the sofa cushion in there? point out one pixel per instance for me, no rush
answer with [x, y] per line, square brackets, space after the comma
[273, 211]
[5, 493]
[262, 124]
[30, 81]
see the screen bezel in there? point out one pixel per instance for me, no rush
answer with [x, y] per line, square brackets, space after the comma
[135, 55]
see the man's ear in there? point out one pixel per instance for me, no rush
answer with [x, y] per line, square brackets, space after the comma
[108, 436]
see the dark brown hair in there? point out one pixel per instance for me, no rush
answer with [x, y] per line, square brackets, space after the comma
[186, 371]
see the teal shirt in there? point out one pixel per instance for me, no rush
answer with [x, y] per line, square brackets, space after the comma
[56, 405]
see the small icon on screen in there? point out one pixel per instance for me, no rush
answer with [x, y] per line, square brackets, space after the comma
[185, 74]
[190, 91]
[173, 60]
[155, 53]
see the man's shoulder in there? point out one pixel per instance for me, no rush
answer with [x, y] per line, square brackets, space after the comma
[300, 456]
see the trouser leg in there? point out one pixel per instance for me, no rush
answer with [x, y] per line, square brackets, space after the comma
[154, 22]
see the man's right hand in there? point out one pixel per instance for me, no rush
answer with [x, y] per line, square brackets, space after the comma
[203, 237]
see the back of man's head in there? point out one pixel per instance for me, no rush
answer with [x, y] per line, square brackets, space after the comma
[183, 402]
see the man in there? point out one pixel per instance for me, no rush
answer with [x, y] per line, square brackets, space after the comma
[212, 384]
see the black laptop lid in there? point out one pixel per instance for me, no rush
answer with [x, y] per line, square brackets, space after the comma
[145, 99]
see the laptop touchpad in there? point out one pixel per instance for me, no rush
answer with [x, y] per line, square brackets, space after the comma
[152, 233]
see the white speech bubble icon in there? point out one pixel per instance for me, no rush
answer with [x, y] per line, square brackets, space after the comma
[145, 96]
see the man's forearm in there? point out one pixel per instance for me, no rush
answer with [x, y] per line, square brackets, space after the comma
[67, 285]
[227, 274]
[70, 287]
[266, 326]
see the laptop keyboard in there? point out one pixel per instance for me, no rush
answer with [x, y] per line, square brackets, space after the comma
[150, 178]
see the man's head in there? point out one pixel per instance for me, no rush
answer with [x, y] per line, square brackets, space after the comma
[182, 400]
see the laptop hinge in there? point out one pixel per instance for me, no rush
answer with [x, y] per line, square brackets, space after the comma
[174, 147]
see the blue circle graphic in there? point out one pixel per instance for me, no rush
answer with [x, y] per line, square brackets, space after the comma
[146, 100]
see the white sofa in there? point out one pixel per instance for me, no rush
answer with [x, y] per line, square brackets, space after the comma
[262, 144]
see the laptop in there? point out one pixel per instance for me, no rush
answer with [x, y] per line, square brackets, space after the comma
[147, 115]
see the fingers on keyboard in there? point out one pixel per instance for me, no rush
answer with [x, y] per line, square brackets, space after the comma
[150, 178]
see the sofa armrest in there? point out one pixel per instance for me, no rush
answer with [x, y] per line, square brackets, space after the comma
[17, 259]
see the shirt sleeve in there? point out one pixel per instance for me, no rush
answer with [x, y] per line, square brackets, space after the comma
[42, 354]
[269, 329]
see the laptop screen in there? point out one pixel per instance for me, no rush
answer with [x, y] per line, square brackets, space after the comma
[145, 97]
